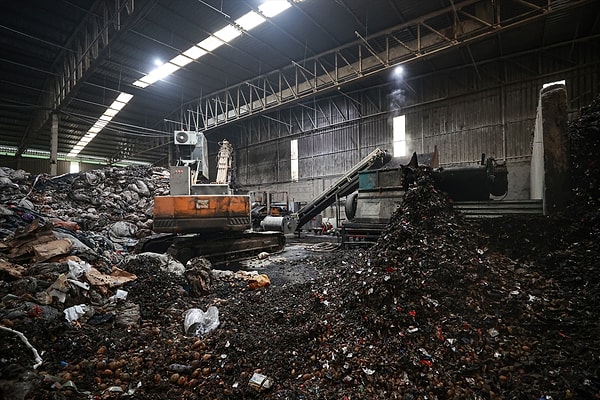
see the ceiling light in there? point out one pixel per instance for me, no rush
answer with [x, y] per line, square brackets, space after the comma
[100, 124]
[111, 112]
[272, 8]
[156, 75]
[124, 97]
[399, 71]
[250, 20]
[194, 52]
[228, 33]
[142, 83]
[86, 139]
[163, 71]
[117, 105]
[210, 43]
[158, 62]
[181, 60]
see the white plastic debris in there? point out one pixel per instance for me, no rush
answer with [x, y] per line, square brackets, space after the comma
[197, 322]
[78, 268]
[75, 312]
[120, 295]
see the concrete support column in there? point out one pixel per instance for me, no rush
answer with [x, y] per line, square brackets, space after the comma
[557, 185]
[54, 145]
[550, 158]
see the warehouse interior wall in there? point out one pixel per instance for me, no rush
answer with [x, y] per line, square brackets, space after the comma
[37, 166]
[489, 108]
[479, 107]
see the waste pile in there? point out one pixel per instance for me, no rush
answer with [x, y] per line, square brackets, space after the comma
[440, 308]
[584, 134]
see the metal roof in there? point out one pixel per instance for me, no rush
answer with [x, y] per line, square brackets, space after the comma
[73, 58]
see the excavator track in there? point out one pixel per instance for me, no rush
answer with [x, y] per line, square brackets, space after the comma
[219, 248]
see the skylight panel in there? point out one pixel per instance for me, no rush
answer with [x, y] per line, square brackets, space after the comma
[250, 20]
[246, 22]
[228, 33]
[181, 60]
[194, 52]
[272, 8]
[210, 43]
[111, 112]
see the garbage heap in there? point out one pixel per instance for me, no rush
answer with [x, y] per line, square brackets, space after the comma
[440, 308]
[584, 133]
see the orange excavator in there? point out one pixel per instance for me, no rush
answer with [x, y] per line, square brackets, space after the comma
[203, 218]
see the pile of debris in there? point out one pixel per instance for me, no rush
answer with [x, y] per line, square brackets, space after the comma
[88, 201]
[440, 308]
[584, 133]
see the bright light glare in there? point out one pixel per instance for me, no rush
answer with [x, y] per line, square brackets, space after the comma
[74, 167]
[273, 7]
[545, 85]
[116, 106]
[124, 97]
[111, 112]
[194, 52]
[399, 135]
[210, 43]
[181, 60]
[158, 62]
[250, 20]
[163, 71]
[228, 33]
[399, 71]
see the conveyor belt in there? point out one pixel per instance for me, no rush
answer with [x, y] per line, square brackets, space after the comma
[342, 187]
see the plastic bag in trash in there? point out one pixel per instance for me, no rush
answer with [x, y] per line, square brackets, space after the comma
[75, 312]
[197, 322]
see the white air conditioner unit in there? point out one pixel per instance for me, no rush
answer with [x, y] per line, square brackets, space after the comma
[185, 137]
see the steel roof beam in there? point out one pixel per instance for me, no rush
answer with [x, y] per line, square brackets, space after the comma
[83, 52]
[356, 60]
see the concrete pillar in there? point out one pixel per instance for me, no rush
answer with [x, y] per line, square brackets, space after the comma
[550, 154]
[536, 176]
[54, 145]
[557, 184]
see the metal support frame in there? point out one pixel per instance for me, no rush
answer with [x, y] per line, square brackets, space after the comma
[328, 71]
[81, 55]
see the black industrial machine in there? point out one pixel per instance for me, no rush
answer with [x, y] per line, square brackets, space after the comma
[473, 183]
[380, 191]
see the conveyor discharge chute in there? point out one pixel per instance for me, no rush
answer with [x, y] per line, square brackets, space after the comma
[342, 187]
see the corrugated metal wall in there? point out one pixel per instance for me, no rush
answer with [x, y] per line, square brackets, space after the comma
[485, 108]
[488, 107]
[37, 166]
